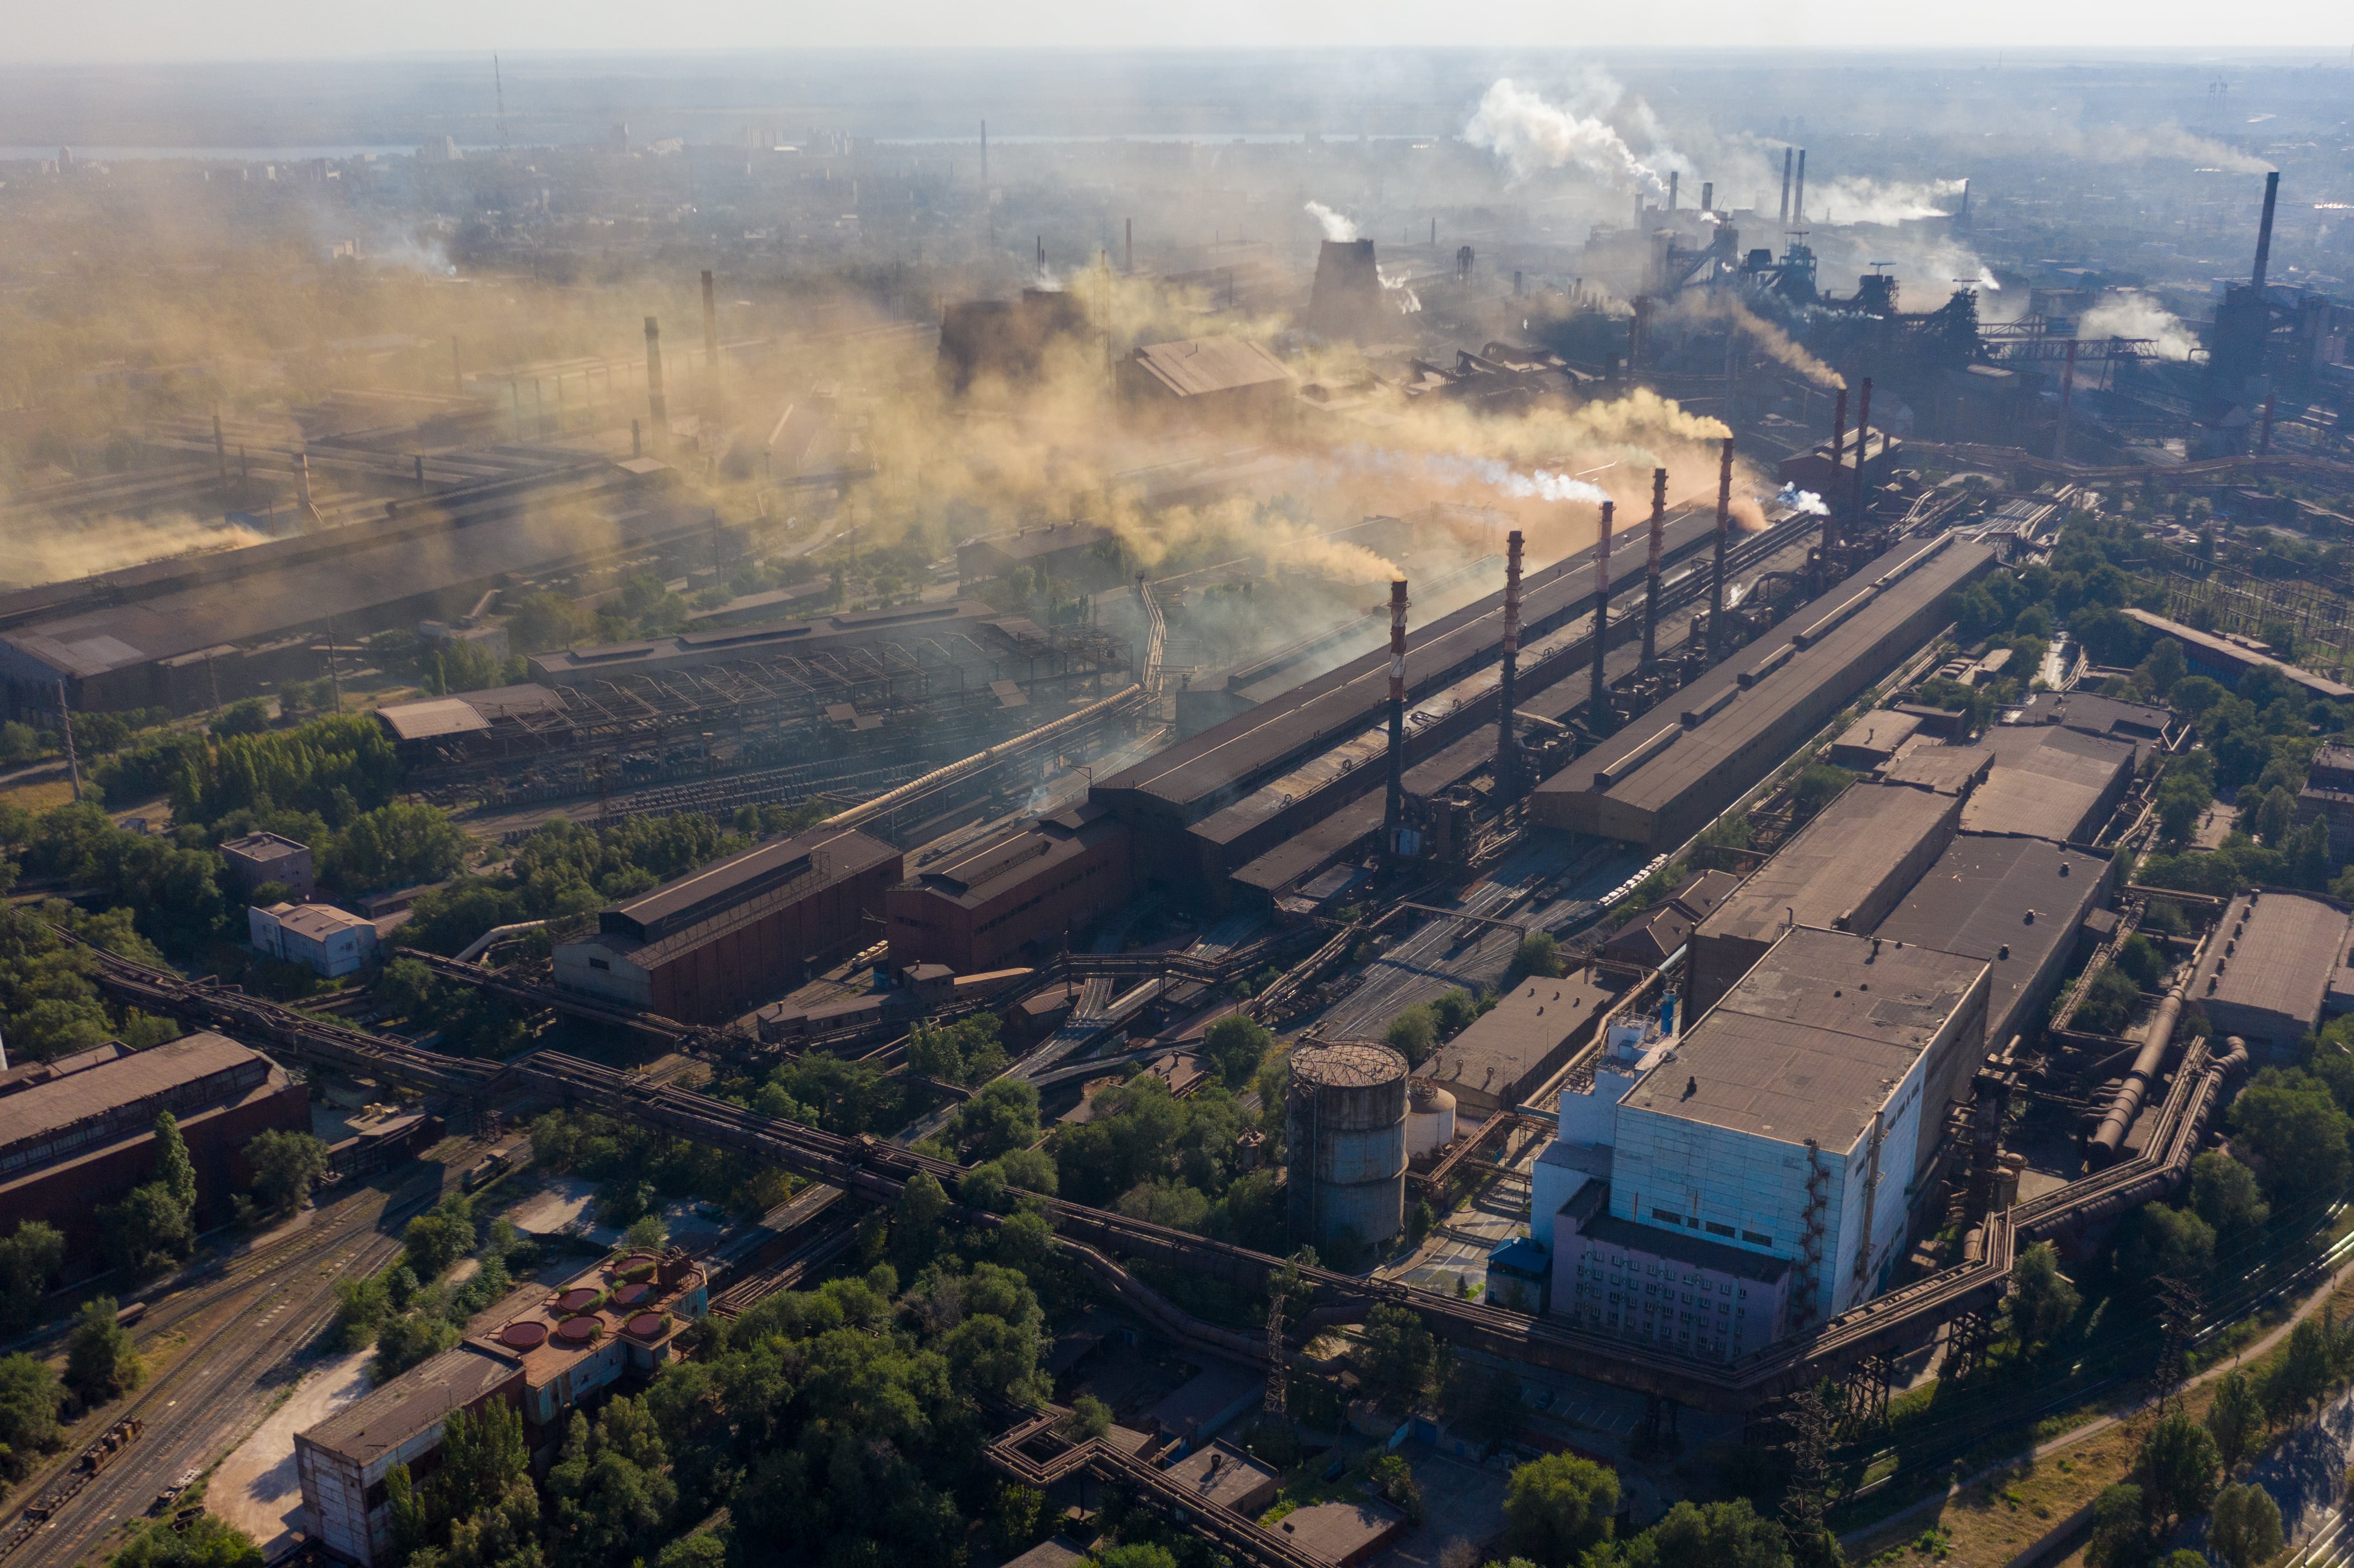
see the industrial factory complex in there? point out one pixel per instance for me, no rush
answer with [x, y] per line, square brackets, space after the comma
[937, 890]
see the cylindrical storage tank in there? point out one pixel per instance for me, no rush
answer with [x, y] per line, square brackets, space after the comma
[1429, 1119]
[1345, 1133]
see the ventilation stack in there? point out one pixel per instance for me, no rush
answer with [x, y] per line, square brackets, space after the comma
[710, 351]
[1673, 179]
[1798, 197]
[1598, 706]
[2264, 231]
[1651, 570]
[220, 451]
[1716, 573]
[656, 408]
[1862, 434]
[1708, 196]
[1787, 153]
[1831, 502]
[1393, 810]
[1506, 754]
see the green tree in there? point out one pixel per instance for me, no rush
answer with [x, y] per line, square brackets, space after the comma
[1089, 1417]
[395, 845]
[284, 1165]
[1235, 1045]
[2234, 1417]
[2297, 1381]
[1818, 786]
[2168, 1242]
[1413, 1033]
[405, 1339]
[173, 1171]
[482, 1457]
[99, 1360]
[2142, 962]
[149, 1231]
[1538, 954]
[610, 1491]
[436, 1240]
[1138, 1554]
[1717, 1535]
[1398, 1359]
[2177, 1470]
[2121, 1535]
[28, 1411]
[2225, 1194]
[28, 1261]
[2042, 1301]
[2246, 1527]
[1001, 1118]
[1557, 1508]
[2293, 1132]
[646, 1233]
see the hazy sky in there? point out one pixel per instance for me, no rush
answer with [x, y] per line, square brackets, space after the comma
[140, 30]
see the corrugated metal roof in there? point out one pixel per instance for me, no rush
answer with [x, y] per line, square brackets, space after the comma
[45, 1108]
[700, 896]
[1194, 366]
[413, 1403]
[1974, 900]
[2283, 949]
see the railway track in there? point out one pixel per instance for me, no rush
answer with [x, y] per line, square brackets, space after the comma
[271, 1304]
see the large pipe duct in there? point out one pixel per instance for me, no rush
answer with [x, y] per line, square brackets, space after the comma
[1651, 570]
[1716, 573]
[1506, 754]
[1862, 435]
[2107, 1141]
[655, 406]
[2264, 230]
[1597, 706]
[1798, 200]
[1839, 458]
[710, 349]
[1393, 810]
[1787, 153]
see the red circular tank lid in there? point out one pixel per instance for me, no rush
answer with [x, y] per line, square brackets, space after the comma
[577, 1331]
[524, 1335]
[631, 1295]
[646, 1326]
[575, 1301]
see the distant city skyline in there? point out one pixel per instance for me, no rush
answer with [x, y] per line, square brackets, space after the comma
[154, 31]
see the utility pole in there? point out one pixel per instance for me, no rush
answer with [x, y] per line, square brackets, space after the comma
[64, 727]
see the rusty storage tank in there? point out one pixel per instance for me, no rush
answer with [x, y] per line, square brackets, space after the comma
[1430, 1118]
[1346, 1131]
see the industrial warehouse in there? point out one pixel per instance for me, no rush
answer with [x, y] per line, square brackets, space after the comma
[1292, 826]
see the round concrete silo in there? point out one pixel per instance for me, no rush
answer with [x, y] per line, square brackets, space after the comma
[1430, 1118]
[1345, 1133]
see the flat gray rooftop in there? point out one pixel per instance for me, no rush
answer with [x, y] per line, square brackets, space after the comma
[2010, 901]
[2284, 947]
[1836, 863]
[1814, 1039]
[2053, 782]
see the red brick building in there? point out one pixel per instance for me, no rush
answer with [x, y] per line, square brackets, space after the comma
[79, 1132]
[1013, 896]
[707, 946]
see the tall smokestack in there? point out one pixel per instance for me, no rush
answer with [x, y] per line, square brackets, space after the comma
[1798, 198]
[1673, 179]
[220, 450]
[1787, 153]
[1708, 196]
[2264, 230]
[1716, 574]
[657, 409]
[1651, 570]
[1838, 450]
[1507, 757]
[1393, 810]
[710, 349]
[1963, 217]
[1862, 435]
[1597, 706]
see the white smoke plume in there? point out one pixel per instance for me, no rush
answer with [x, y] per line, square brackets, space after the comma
[1851, 200]
[2139, 315]
[1804, 501]
[1407, 301]
[1532, 135]
[1338, 227]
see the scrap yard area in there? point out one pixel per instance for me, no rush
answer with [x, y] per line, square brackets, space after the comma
[834, 854]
